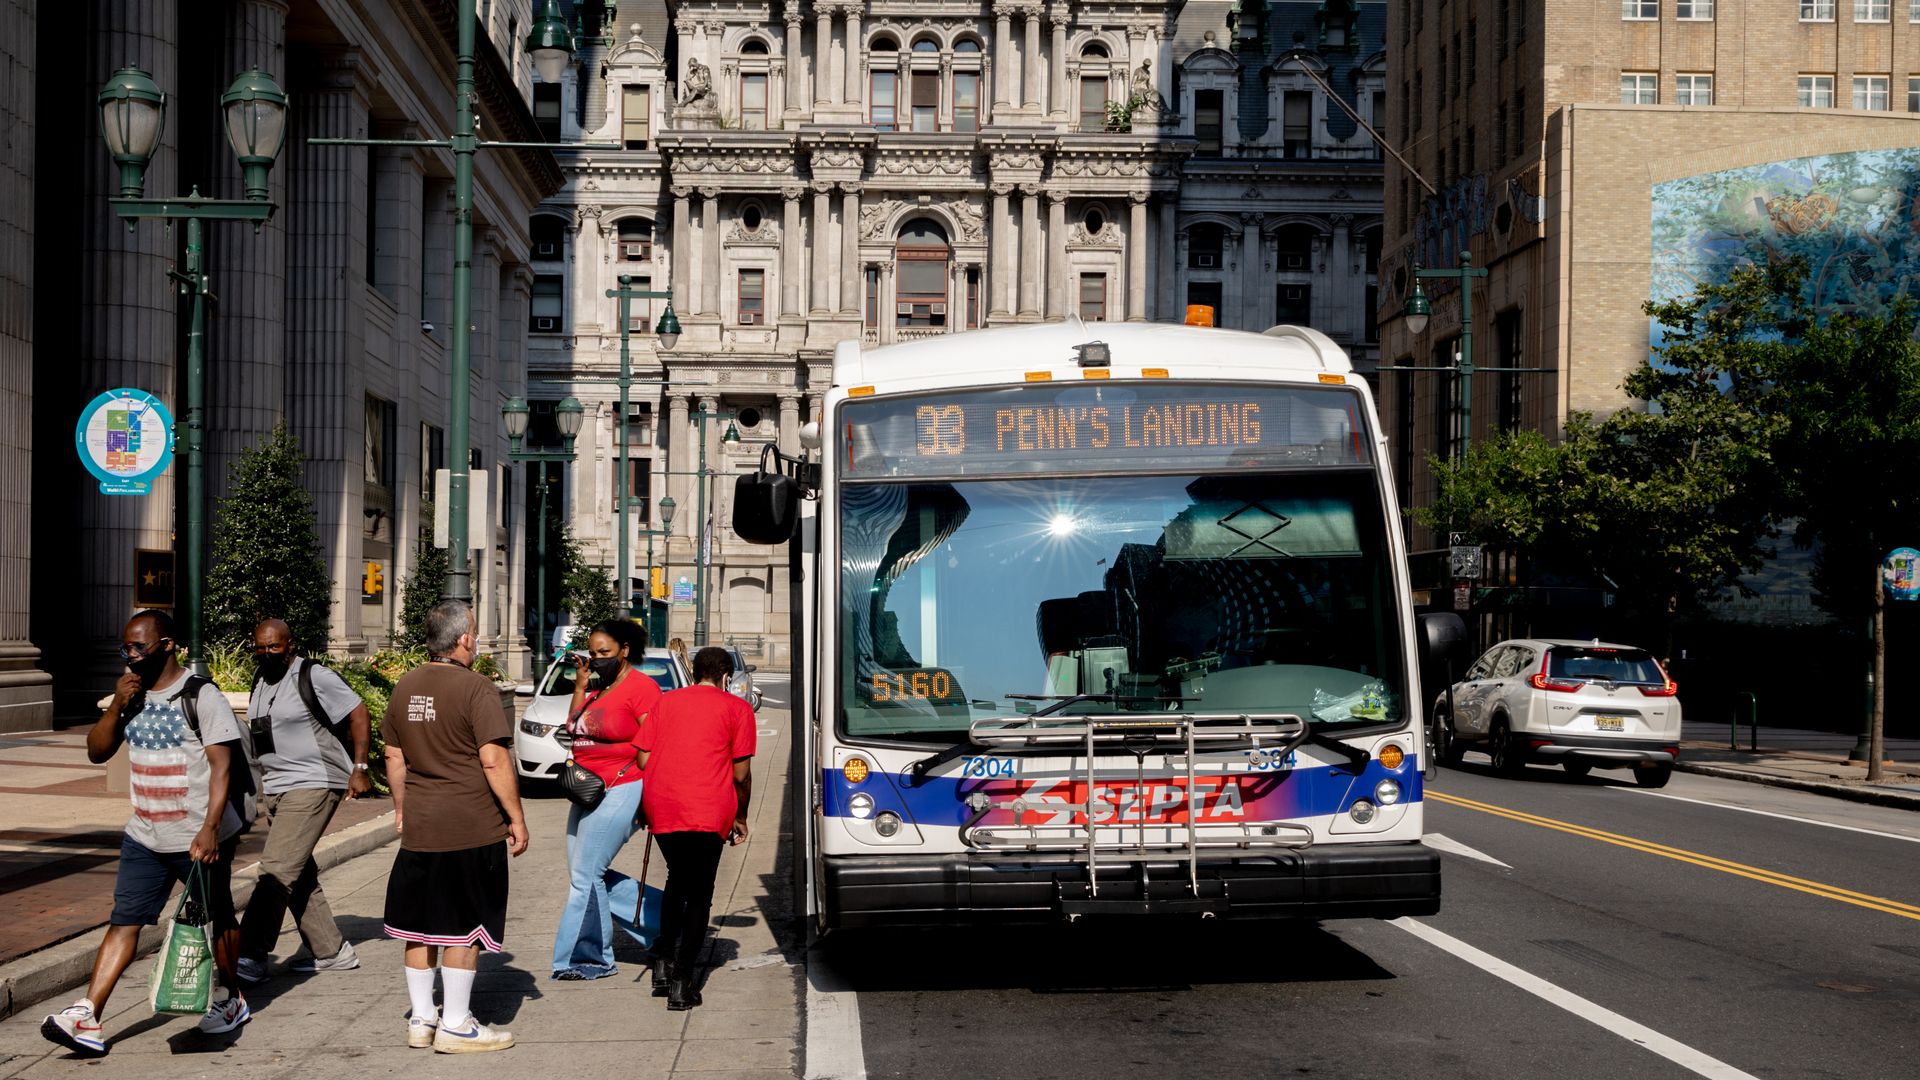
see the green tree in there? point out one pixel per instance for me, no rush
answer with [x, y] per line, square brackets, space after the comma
[426, 579]
[586, 590]
[266, 553]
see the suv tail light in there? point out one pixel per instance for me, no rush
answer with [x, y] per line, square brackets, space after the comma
[1539, 680]
[1668, 689]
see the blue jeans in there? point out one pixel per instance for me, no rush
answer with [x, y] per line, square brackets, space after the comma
[584, 943]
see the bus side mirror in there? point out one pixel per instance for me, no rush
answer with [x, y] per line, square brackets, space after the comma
[766, 507]
[1443, 637]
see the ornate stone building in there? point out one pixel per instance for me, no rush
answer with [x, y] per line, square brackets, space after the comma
[798, 174]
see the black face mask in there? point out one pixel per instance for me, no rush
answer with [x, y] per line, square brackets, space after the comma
[605, 668]
[150, 666]
[272, 666]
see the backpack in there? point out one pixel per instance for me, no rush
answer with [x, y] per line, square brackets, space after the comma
[243, 785]
[304, 684]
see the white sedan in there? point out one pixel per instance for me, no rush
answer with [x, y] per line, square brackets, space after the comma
[537, 753]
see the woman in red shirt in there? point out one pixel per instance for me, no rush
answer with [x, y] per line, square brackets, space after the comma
[698, 747]
[605, 726]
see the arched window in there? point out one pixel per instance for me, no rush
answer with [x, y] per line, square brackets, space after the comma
[636, 240]
[1296, 247]
[1204, 247]
[921, 289]
[1095, 89]
[548, 234]
[753, 47]
[926, 45]
[883, 44]
[1094, 51]
[965, 46]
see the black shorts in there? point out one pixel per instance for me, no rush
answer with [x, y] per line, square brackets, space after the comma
[146, 878]
[449, 898]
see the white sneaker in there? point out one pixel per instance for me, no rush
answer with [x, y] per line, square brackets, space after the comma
[249, 970]
[224, 1016]
[344, 960]
[76, 1028]
[420, 1031]
[472, 1037]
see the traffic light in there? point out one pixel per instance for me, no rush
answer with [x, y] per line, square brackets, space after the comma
[659, 582]
[374, 581]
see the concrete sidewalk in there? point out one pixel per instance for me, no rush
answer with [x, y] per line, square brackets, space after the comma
[1813, 761]
[353, 1024]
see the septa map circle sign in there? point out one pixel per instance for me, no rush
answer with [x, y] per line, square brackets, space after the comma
[1902, 571]
[125, 439]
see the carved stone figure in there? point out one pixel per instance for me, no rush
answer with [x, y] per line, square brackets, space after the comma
[1144, 91]
[698, 89]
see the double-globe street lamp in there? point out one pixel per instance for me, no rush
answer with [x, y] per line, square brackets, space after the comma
[567, 416]
[133, 111]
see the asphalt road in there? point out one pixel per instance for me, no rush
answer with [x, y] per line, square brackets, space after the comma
[1628, 934]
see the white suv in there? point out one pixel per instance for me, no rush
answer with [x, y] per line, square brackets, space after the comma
[1579, 703]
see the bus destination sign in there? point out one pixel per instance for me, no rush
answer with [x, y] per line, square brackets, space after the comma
[1108, 427]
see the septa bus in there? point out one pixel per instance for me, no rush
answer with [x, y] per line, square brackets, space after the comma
[1099, 619]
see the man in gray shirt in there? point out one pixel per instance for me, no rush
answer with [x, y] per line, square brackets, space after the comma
[311, 732]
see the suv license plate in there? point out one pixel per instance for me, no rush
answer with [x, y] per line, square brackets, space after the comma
[1610, 723]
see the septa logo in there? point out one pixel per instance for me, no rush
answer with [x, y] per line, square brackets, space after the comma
[1212, 799]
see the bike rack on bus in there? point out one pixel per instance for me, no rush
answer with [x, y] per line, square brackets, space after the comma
[1174, 735]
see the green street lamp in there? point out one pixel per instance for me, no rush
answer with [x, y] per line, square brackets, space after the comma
[567, 416]
[657, 630]
[668, 330]
[550, 43]
[132, 111]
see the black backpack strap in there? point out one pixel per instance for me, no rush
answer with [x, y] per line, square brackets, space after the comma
[189, 700]
[342, 731]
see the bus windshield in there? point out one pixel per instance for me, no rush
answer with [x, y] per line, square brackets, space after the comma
[1218, 593]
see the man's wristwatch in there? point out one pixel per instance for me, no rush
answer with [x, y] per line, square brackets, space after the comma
[359, 766]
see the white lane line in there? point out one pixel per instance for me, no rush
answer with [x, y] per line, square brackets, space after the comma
[1673, 1050]
[1441, 842]
[833, 1025]
[1771, 814]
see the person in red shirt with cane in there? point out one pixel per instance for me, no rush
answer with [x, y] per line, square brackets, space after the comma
[697, 749]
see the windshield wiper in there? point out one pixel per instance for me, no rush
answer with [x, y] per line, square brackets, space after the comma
[917, 771]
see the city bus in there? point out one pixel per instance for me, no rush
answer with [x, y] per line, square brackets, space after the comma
[1099, 619]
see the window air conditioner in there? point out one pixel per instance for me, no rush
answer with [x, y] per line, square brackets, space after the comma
[1206, 260]
[636, 251]
[548, 250]
[1295, 262]
[546, 322]
[939, 309]
[1295, 294]
[903, 309]
[749, 318]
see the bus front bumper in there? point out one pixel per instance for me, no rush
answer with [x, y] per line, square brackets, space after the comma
[1367, 881]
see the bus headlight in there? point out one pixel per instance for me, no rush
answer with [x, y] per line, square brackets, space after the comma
[861, 805]
[887, 824]
[1361, 811]
[1387, 792]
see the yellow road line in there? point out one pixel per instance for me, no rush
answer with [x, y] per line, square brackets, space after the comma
[1710, 862]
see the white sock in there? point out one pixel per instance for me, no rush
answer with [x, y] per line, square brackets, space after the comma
[456, 995]
[420, 989]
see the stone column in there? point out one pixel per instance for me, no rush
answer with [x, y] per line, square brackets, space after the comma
[956, 296]
[1002, 59]
[590, 303]
[823, 88]
[849, 248]
[822, 250]
[682, 457]
[796, 77]
[681, 251]
[247, 343]
[790, 422]
[1057, 63]
[1167, 272]
[1057, 284]
[1137, 256]
[1253, 274]
[1350, 294]
[856, 89]
[1030, 58]
[710, 251]
[790, 269]
[1031, 243]
[1000, 240]
[326, 326]
[884, 320]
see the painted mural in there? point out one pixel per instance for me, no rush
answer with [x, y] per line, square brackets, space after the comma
[1855, 217]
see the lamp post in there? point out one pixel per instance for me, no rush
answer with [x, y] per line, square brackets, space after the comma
[567, 417]
[669, 331]
[132, 112]
[731, 436]
[667, 508]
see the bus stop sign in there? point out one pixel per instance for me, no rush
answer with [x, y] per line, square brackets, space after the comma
[1465, 561]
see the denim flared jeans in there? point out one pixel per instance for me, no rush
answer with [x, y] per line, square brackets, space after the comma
[584, 942]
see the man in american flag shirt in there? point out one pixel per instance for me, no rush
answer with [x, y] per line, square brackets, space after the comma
[181, 815]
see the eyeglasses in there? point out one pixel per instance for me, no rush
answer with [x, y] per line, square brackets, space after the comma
[133, 650]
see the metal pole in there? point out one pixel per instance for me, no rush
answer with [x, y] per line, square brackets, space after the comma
[625, 484]
[541, 648]
[1876, 750]
[1862, 752]
[459, 583]
[196, 281]
[700, 553]
[1466, 352]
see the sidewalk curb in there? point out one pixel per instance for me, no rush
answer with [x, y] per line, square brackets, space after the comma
[1849, 792]
[67, 965]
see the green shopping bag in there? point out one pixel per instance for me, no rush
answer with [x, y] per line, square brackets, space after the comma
[182, 980]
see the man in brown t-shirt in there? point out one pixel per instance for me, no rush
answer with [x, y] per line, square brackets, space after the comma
[455, 797]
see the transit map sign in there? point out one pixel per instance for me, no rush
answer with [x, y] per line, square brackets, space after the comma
[125, 439]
